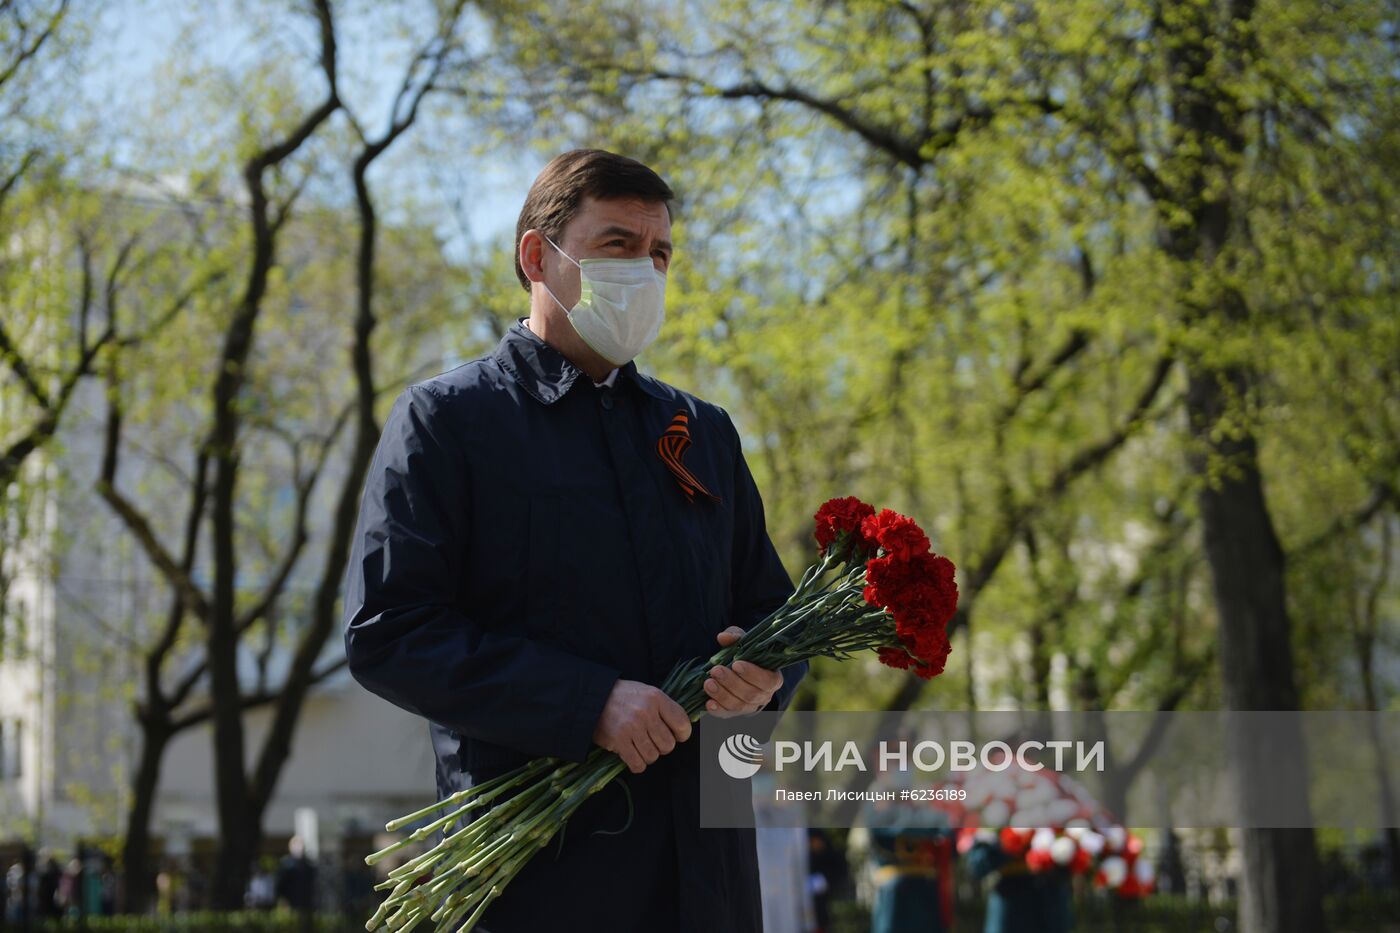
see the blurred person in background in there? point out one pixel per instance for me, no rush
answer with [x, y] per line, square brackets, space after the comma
[1020, 901]
[828, 874]
[783, 867]
[913, 868]
[295, 886]
[262, 886]
[49, 879]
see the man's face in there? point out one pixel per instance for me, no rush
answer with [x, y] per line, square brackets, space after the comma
[613, 229]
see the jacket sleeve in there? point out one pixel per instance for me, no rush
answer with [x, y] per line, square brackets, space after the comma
[761, 583]
[407, 637]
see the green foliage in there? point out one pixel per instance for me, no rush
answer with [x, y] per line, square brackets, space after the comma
[936, 255]
[924, 257]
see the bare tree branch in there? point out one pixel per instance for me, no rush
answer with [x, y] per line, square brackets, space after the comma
[8, 185]
[250, 701]
[28, 49]
[277, 746]
[175, 573]
[305, 485]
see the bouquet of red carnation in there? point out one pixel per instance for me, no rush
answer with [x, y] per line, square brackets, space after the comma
[876, 585]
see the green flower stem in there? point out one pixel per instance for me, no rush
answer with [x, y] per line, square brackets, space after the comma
[441, 885]
[495, 786]
[549, 808]
[392, 900]
[539, 831]
[509, 778]
[405, 922]
[479, 828]
[826, 616]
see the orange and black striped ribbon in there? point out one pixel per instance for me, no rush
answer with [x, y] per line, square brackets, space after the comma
[672, 446]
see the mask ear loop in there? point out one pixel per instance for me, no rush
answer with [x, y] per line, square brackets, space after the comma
[542, 281]
[561, 252]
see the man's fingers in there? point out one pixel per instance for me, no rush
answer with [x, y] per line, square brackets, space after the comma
[729, 636]
[664, 741]
[646, 748]
[763, 679]
[640, 723]
[747, 692]
[635, 763]
[673, 715]
[628, 753]
[724, 696]
[660, 734]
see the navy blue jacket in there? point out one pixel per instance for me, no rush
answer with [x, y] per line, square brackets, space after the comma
[522, 544]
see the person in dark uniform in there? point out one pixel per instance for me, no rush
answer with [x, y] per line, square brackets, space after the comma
[912, 864]
[544, 532]
[49, 880]
[1021, 901]
[295, 882]
[829, 874]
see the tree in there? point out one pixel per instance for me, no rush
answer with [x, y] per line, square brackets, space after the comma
[878, 346]
[25, 37]
[246, 405]
[1199, 157]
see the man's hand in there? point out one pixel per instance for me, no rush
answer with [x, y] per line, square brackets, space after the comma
[640, 723]
[742, 687]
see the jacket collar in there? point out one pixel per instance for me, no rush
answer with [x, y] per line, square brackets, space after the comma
[545, 373]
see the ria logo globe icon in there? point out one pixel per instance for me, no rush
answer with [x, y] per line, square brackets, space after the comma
[740, 756]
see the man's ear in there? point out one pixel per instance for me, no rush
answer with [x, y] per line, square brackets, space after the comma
[532, 254]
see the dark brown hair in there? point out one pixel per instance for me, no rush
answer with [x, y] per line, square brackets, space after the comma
[560, 189]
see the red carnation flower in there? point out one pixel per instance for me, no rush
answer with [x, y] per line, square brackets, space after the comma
[900, 536]
[921, 594]
[933, 651]
[883, 582]
[916, 592]
[926, 671]
[896, 658]
[934, 593]
[842, 517]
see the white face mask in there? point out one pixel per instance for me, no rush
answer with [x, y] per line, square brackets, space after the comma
[621, 305]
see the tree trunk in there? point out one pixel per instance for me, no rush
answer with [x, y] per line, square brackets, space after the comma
[240, 822]
[238, 845]
[136, 849]
[1387, 795]
[1365, 623]
[1209, 47]
[1280, 891]
[236, 824]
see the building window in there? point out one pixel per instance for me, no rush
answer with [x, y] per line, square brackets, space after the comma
[11, 765]
[13, 630]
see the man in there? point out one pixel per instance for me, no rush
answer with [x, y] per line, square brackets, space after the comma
[1021, 901]
[544, 533]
